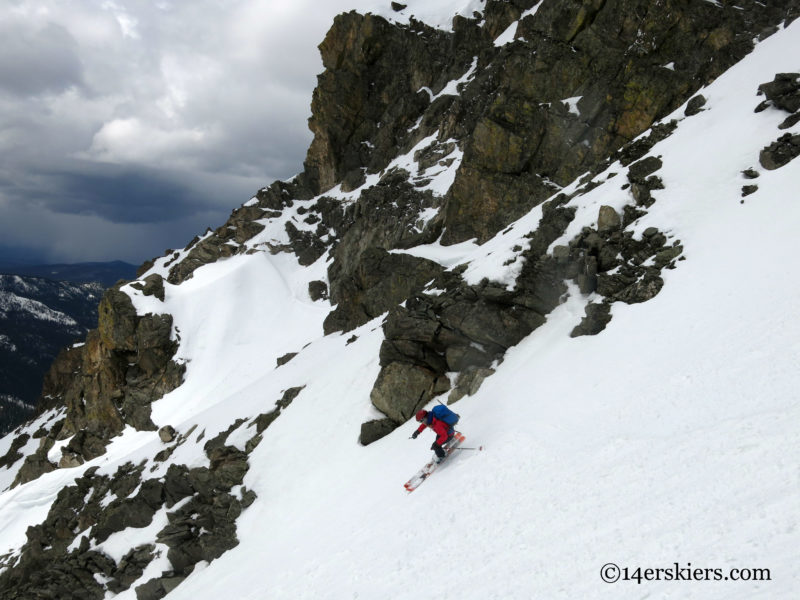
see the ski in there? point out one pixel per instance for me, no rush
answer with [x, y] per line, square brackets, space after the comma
[426, 471]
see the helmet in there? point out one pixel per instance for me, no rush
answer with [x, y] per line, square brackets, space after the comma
[421, 414]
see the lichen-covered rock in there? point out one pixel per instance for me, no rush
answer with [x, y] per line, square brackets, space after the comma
[523, 134]
[482, 202]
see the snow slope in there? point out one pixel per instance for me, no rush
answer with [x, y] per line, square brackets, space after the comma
[671, 437]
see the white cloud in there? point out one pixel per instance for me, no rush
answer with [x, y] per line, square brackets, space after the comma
[131, 140]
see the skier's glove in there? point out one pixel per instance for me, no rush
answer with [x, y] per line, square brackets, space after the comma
[414, 435]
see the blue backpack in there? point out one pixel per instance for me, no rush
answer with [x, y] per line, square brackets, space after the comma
[441, 412]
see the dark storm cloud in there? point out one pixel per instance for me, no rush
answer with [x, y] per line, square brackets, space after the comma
[127, 193]
[37, 59]
[119, 194]
[123, 124]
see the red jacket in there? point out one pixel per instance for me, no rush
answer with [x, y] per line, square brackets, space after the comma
[441, 428]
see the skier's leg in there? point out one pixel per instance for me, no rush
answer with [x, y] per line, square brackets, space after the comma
[438, 450]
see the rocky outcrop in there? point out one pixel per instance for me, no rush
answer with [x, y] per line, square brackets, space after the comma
[783, 93]
[201, 507]
[526, 136]
[370, 95]
[152, 285]
[380, 281]
[107, 383]
[465, 329]
[468, 382]
[578, 83]
[13, 454]
[642, 182]
[519, 136]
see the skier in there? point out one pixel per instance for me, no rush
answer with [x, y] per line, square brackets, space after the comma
[441, 419]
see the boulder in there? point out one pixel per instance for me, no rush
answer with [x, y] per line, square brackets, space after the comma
[695, 105]
[402, 389]
[166, 433]
[87, 444]
[373, 430]
[154, 286]
[318, 290]
[639, 171]
[749, 189]
[461, 357]
[131, 567]
[608, 220]
[783, 92]
[282, 360]
[790, 121]
[69, 459]
[780, 152]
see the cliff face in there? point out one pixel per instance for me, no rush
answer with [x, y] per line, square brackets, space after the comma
[420, 136]
[580, 80]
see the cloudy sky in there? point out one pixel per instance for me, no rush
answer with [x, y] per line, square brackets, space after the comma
[128, 127]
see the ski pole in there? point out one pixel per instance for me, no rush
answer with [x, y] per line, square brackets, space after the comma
[462, 448]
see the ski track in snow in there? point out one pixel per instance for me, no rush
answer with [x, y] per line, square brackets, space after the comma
[670, 437]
